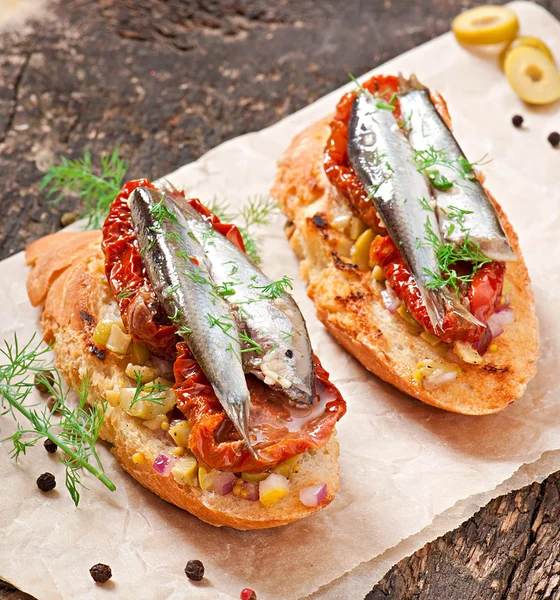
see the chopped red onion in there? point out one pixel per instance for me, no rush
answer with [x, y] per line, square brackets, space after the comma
[162, 366]
[435, 381]
[498, 320]
[313, 495]
[505, 316]
[252, 489]
[390, 300]
[482, 345]
[223, 483]
[163, 464]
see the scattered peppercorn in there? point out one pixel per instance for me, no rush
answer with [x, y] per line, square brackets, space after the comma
[194, 570]
[554, 139]
[41, 377]
[101, 573]
[46, 482]
[68, 218]
[50, 446]
[52, 401]
[248, 594]
[517, 120]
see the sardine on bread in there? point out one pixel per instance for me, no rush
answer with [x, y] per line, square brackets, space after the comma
[411, 263]
[138, 309]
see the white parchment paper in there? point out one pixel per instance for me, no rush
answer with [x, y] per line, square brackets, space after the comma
[402, 463]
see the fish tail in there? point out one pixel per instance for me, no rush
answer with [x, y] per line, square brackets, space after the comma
[435, 308]
[410, 84]
[453, 302]
[239, 414]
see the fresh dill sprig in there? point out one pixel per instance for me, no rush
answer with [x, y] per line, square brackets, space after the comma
[226, 288]
[361, 89]
[162, 213]
[458, 215]
[426, 161]
[438, 180]
[275, 289]
[258, 211]
[384, 105]
[77, 430]
[148, 392]
[448, 254]
[80, 177]
[221, 209]
[250, 345]
[126, 292]
[425, 204]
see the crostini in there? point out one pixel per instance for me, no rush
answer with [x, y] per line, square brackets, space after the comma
[411, 263]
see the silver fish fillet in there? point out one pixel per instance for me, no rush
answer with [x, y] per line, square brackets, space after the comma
[179, 272]
[278, 350]
[384, 162]
[463, 208]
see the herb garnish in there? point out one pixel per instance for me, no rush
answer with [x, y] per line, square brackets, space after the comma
[78, 176]
[447, 255]
[125, 293]
[77, 430]
[275, 289]
[428, 159]
[438, 180]
[148, 392]
[258, 211]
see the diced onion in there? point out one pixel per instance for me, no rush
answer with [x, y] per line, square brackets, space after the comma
[273, 489]
[313, 495]
[163, 367]
[390, 300]
[252, 490]
[498, 320]
[504, 316]
[466, 352]
[223, 483]
[435, 381]
[482, 345]
[163, 464]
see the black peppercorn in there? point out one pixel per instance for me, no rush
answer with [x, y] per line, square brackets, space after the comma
[50, 446]
[517, 120]
[52, 402]
[101, 573]
[41, 377]
[46, 482]
[554, 139]
[194, 570]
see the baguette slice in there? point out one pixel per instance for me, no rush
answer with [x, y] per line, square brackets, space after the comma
[349, 302]
[67, 276]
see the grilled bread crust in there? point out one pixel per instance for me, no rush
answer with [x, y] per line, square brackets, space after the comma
[67, 278]
[349, 303]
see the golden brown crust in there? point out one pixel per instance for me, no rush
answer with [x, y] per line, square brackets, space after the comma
[68, 274]
[349, 304]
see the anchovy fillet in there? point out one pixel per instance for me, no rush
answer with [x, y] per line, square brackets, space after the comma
[278, 350]
[179, 272]
[464, 209]
[383, 160]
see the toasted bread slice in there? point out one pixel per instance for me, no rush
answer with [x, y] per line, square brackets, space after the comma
[349, 303]
[68, 277]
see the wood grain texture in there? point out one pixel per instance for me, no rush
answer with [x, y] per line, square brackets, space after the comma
[166, 80]
[509, 550]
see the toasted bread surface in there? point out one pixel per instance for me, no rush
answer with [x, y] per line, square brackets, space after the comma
[349, 303]
[67, 275]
